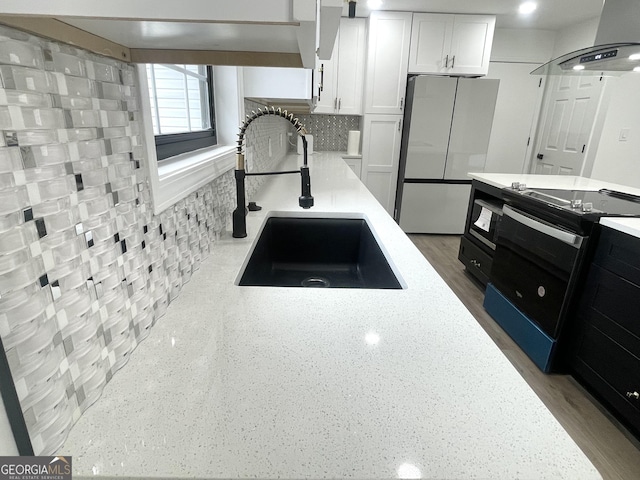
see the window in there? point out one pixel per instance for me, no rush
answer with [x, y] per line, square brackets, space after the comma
[181, 99]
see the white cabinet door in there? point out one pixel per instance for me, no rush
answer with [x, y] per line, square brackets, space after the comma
[380, 157]
[387, 59]
[430, 43]
[341, 79]
[471, 44]
[451, 44]
[326, 78]
[351, 57]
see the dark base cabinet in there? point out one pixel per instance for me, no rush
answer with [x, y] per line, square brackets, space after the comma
[477, 244]
[606, 350]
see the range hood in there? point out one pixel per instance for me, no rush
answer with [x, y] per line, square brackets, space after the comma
[617, 45]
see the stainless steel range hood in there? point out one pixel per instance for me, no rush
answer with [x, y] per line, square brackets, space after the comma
[617, 45]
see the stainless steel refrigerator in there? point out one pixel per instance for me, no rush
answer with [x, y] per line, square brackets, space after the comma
[447, 124]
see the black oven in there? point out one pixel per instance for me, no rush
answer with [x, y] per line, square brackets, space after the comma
[535, 266]
[543, 246]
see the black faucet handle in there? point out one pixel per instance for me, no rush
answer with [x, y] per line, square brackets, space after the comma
[306, 199]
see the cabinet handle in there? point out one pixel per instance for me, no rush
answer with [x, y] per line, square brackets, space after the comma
[399, 125]
[335, 103]
[446, 61]
[401, 102]
[339, 103]
[453, 61]
[475, 263]
[322, 77]
[634, 395]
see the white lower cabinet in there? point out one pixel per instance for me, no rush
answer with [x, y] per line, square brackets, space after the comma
[380, 157]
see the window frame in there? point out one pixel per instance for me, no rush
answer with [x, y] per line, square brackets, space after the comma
[172, 144]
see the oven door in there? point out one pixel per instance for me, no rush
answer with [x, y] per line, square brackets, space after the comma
[534, 265]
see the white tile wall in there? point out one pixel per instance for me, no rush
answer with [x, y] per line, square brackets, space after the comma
[86, 269]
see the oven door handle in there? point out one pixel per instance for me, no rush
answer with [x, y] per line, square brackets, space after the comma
[562, 235]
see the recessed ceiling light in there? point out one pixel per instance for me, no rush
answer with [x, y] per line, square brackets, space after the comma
[374, 4]
[527, 7]
[635, 56]
[578, 67]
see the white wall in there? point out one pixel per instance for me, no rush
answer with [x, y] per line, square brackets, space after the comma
[515, 53]
[7, 443]
[580, 35]
[618, 160]
[522, 45]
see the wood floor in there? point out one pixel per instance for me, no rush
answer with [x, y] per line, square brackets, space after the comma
[612, 450]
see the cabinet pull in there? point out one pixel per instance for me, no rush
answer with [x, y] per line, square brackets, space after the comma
[339, 103]
[446, 61]
[401, 103]
[335, 103]
[634, 395]
[322, 77]
[399, 125]
[453, 61]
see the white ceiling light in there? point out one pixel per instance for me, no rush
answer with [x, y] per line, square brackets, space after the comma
[527, 7]
[635, 56]
[578, 67]
[374, 4]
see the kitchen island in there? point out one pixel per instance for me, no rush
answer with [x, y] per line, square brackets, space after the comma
[268, 382]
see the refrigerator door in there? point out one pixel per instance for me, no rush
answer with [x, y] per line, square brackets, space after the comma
[429, 126]
[434, 208]
[471, 127]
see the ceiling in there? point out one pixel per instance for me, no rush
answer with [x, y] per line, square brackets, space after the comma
[260, 25]
[550, 14]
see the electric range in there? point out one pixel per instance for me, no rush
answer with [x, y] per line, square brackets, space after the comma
[543, 250]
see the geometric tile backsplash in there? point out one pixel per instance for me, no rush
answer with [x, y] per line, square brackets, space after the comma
[86, 268]
[330, 132]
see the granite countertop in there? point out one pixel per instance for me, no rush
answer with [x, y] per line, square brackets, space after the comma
[240, 382]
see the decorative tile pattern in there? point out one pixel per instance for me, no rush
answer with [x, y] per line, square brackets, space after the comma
[86, 269]
[330, 132]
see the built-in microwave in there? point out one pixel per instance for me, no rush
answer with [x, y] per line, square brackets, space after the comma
[485, 219]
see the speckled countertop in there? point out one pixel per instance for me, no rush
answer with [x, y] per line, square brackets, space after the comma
[244, 382]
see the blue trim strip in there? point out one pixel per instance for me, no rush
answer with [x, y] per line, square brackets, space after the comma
[533, 341]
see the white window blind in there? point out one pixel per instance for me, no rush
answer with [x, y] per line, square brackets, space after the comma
[179, 97]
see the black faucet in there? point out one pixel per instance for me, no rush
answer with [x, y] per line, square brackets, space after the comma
[306, 200]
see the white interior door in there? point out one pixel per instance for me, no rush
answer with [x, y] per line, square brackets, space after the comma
[568, 120]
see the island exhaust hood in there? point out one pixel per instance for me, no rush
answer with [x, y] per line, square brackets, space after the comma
[617, 45]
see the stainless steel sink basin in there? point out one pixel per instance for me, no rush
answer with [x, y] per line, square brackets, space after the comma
[318, 252]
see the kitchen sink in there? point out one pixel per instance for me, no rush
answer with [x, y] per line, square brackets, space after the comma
[318, 252]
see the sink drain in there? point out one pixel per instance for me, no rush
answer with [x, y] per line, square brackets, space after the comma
[317, 282]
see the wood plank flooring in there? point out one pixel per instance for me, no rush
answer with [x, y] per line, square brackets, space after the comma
[611, 449]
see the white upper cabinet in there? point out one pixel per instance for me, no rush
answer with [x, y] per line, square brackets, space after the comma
[387, 57]
[340, 80]
[451, 44]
